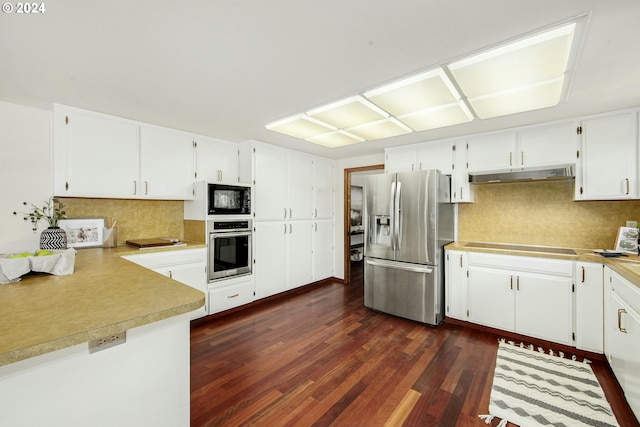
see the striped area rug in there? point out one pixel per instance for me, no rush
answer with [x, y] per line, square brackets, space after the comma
[531, 388]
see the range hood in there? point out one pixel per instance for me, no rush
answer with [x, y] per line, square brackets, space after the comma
[563, 172]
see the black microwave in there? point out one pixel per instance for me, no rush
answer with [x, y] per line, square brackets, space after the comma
[229, 199]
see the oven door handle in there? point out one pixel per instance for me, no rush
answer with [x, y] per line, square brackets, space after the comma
[232, 234]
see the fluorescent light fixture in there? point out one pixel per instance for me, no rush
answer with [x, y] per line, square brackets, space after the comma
[335, 139]
[300, 126]
[423, 91]
[527, 98]
[348, 113]
[439, 117]
[527, 74]
[519, 67]
[384, 128]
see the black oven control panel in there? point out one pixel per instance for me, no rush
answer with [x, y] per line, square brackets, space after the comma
[231, 225]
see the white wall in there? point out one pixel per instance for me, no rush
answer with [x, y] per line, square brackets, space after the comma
[340, 166]
[25, 172]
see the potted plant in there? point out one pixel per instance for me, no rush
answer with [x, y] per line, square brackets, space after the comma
[52, 211]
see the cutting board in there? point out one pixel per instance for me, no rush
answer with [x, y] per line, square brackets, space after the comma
[149, 243]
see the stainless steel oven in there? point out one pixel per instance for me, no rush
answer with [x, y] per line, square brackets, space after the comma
[229, 248]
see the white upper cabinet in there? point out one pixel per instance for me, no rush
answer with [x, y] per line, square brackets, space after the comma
[270, 182]
[435, 155]
[555, 144]
[322, 188]
[609, 152]
[94, 155]
[400, 159]
[492, 152]
[461, 190]
[299, 185]
[167, 164]
[217, 161]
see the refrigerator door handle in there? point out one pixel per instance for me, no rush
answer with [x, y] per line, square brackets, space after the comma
[415, 268]
[398, 219]
[392, 215]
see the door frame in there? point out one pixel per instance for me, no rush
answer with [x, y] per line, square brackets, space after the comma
[347, 215]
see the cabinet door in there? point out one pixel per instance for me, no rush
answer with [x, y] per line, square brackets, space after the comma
[270, 179]
[299, 186]
[548, 145]
[456, 291]
[322, 249]
[196, 277]
[322, 188]
[491, 298]
[609, 158]
[589, 307]
[543, 307]
[299, 253]
[625, 350]
[436, 155]
[400, 159]
[216, 160]
[496, 151]
[167, 166]
[270, 256]
[461, 190]
[94, 155]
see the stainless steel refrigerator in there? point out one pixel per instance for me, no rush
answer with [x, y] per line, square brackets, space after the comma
[408, 219]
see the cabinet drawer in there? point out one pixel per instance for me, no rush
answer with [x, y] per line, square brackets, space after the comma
[231, 296]
[556, 267]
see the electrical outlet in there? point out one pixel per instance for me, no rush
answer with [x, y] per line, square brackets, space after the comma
[632, 224]
[107, 342]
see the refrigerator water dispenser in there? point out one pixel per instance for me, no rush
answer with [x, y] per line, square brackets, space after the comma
[381, 234]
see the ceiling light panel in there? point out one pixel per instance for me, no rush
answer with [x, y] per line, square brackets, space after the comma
[385, 128]
[335, 139]
[528, 98]
[300, 126]
[421, 92]
[536, 59]
[348, 113]
[434, 118]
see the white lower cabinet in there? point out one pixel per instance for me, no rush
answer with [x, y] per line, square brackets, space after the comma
[622, 334]
[322, 260]
[230, 293]
[526, 295]
[269, 255]
[589, 306]
[456, 285]
[187, 266]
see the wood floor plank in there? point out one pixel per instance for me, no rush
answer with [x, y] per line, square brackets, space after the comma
[320, 358]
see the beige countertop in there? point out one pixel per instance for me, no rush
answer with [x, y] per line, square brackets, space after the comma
[106, 294]
[627, 266]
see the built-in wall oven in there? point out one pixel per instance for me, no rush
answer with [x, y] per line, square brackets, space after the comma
[229, 248]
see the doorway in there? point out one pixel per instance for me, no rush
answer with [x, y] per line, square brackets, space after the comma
[348, 215]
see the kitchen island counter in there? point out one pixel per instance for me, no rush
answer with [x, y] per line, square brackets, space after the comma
[105, 295]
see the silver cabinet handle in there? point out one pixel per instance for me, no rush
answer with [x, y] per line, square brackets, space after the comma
[510, 158]
[460, 260]
[621, 311]
[290, 228]
[522, 158]
[233, 296]
[290, 212]
[315, 212]
[285, 212]
[285, 228]
[146, 188]
[518, 283]
[627, 180]
[135, 187]
[315, 226]
[170, 275]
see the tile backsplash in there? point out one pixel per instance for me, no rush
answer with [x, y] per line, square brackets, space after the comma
[136, 218]
[542, 213]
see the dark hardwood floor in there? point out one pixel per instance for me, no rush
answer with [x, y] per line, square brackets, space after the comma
[320, 358]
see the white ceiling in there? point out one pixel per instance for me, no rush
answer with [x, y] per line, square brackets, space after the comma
[225, 68]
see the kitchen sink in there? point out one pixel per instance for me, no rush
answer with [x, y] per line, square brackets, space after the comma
[522, 248]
